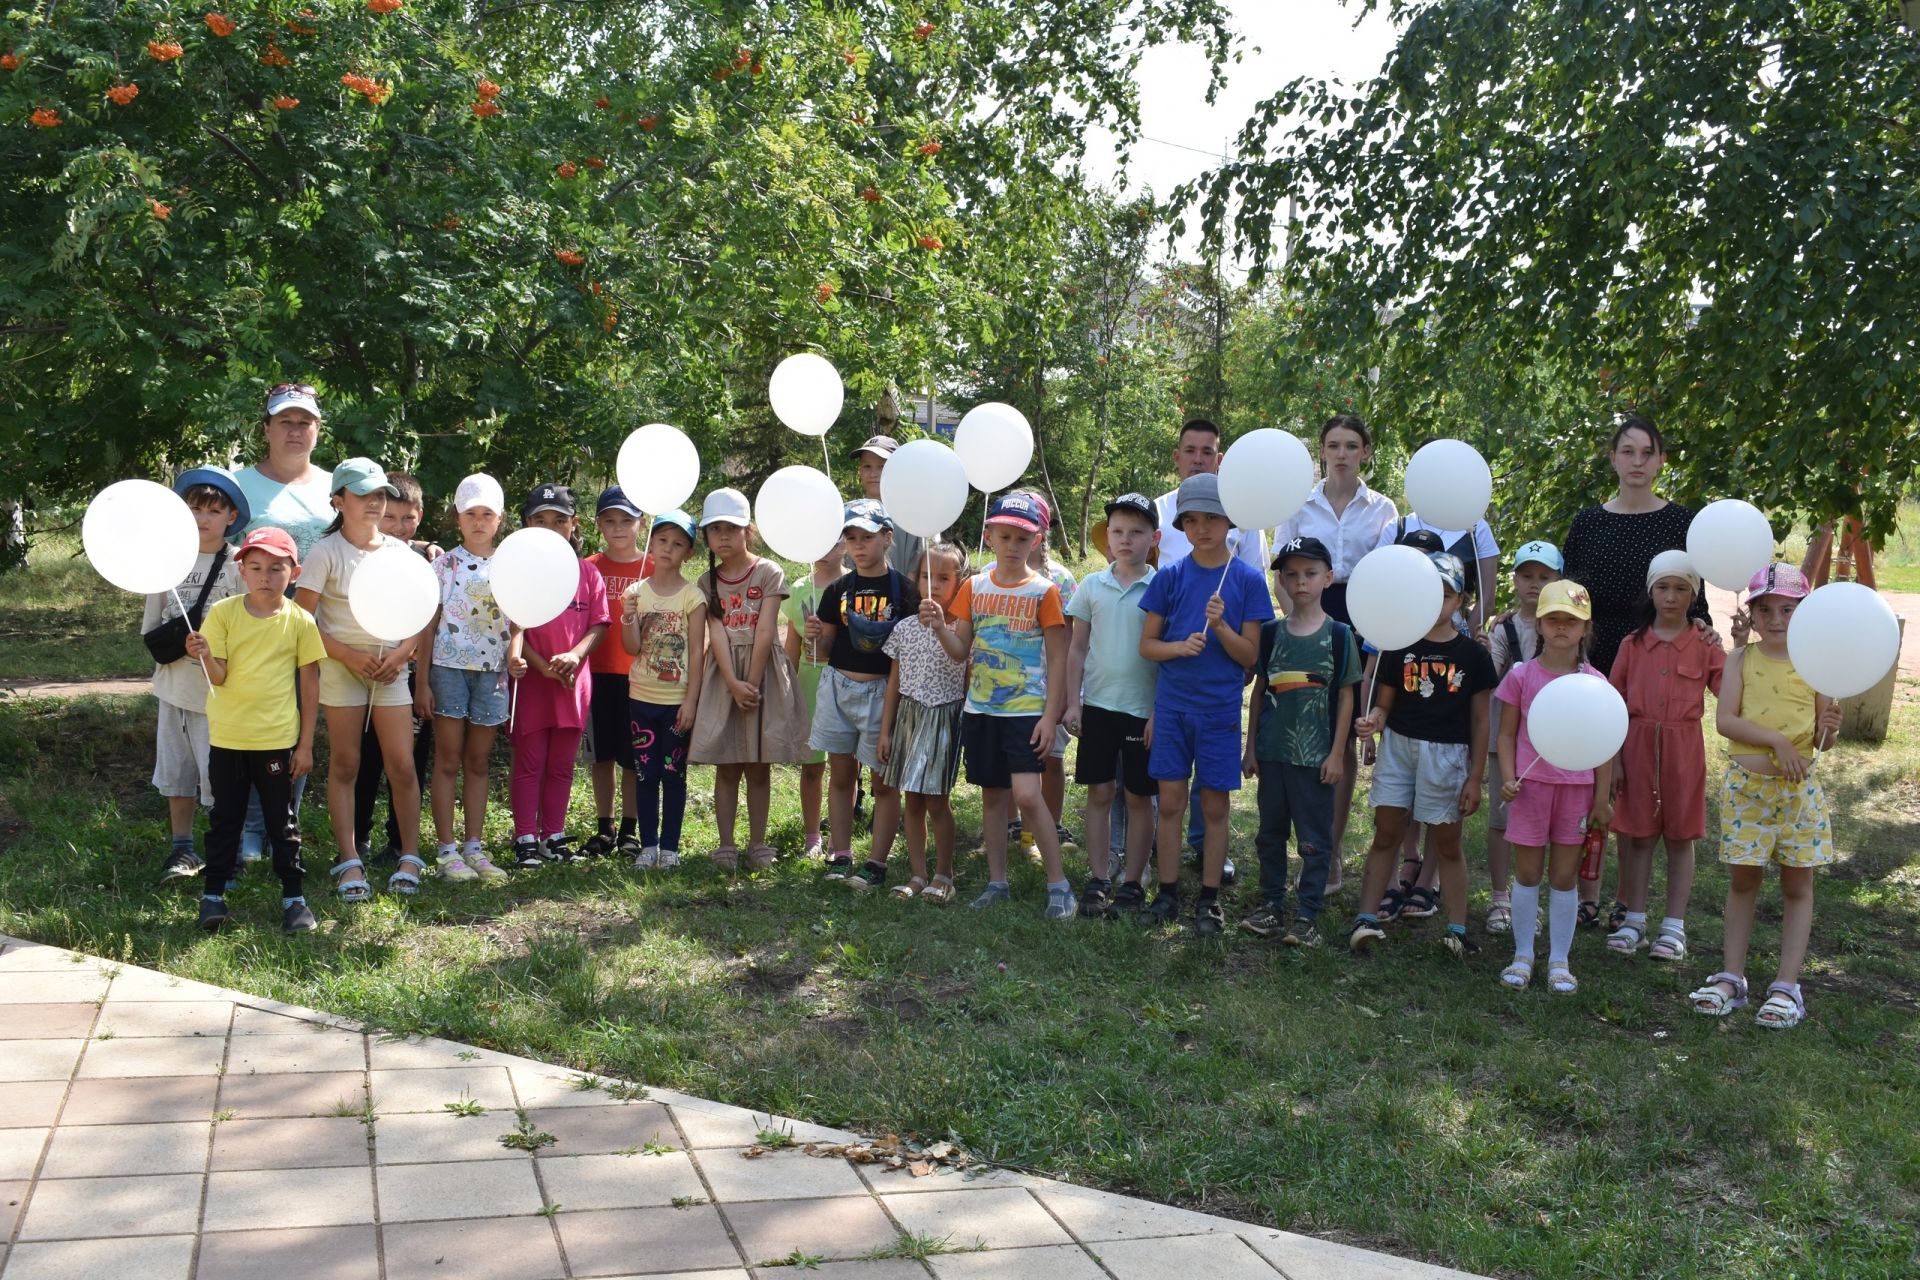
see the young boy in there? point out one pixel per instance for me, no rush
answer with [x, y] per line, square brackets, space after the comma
[260, 735]
[610, 731]
[1010, 626]
[1432, 699]
[856, 615]
[809, 661]
[1109, 702]
[1512, 639]
[1297, 723]
[871, 457]
[400, 520]
[179, 684]
[1203, 628]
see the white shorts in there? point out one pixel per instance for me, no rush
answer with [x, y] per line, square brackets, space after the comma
[1423, 778]
[339, 687]
[180, 755]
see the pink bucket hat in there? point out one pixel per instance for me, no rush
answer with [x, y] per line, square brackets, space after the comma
[1778, 580]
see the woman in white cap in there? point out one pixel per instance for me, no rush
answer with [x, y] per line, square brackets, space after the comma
[285, 489]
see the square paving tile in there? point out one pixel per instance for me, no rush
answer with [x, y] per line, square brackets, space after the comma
[619, 1182]
[468, 1189]
[1048, 1262]
[270, 1198]
[999, 1219]
[845, 1227]
[429, 1089]
[1215, 1257]
[129, 1018]
[477, 1249]
[621, 1242]
[139, 1101]
[13, 1197]
[20, 1152]
[77, 1208]
[103, 1151]
[900, 1182]
[153, 1057]
[316, 1142]
[1100, 1215]
[540, 1085]
[299, 1253]
[39, 1059]
[264, 1022]
[1304, 1258]
[319, 1093]
[782, 1175]
[30, 1102]
[80, 984]
[426, 1138]
[265, 1055]
[20, 956]
[413, 1053]
[588, 1131]
[145, 984]
[716, 1125]
[48, 1021]
[138, 1258]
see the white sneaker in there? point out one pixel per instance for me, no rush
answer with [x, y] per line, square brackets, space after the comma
[480, 863]
[454, 867]
[644, 860]
[667, 858]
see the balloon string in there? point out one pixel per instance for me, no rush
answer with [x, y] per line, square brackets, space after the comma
[204, 670]
[370, 693]
[986, 505]
[826, 461]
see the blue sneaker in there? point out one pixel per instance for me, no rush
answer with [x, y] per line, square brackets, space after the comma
[1061, 905]
[994, 895]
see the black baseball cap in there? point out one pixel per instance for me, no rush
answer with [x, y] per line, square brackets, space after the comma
[547, 497]
[1139, 504]
[1311, 548]
[1423, 540]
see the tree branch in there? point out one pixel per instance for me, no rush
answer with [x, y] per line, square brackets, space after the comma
[267, 181]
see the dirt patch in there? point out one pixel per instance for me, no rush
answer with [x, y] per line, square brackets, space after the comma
[592, 921]
[116, 687]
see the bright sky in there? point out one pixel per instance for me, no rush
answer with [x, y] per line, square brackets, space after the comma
[1183, 136]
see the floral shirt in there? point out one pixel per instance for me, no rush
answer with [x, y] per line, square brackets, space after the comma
[472, 635]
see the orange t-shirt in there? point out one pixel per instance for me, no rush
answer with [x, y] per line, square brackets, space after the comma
[610, 656]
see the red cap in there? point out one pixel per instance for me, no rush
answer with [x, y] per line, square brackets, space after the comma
[271, 540]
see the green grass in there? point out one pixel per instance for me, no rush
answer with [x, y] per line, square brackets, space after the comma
[60, 619]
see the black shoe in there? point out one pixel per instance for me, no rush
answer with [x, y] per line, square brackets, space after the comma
[598, 845]
[560, 849]
[1095, 902]
[1064, 836]
[298, 918]
[1264, 922]
[628, 847]
[1459, 945]
[213, 914]
[1130, 898]
[1363, 935]
[837, 869]
[868, 877]
[1302, 933]
[181, 864]
[1228, 876]
[1208, 918]
[1164, 909]
[526, 854]
[389, 856]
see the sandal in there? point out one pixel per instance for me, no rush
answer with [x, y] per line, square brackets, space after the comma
[1561, 982]
[356, 889]
[1517, 975]
[911, 889]
[1785, 1006]
[726, 857]
[1626, 939]
[1670, 945]
[1422, 903]
[940, 892]
[1616, 914]
[1500, 918]
[598, 845]
[1589, 915]
[761, 856]
[1714, 1002]
[1393, 902]
[404, 882]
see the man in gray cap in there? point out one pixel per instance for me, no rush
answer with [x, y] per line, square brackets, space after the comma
[872, 457]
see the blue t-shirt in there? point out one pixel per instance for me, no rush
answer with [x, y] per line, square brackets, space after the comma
[1210, 681]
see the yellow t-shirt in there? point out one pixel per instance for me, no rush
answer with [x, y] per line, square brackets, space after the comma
[255, 710]
[659, 671]
[1772, 694]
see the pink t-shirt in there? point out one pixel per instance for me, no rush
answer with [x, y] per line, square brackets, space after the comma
[541, 703]
[1518, 688]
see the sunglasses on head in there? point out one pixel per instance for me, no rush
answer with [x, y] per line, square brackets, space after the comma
[297, 388]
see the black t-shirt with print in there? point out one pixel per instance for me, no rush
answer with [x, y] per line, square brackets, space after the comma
[859, 610]
[1433, 685]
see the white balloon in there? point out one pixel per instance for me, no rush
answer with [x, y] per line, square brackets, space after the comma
[140, 536]
[393, 594]
[995, 444]
[657, 467]
[799, 513]
[1577, 722]
[1265, 478]
[1729, 541]
[924, 488]
[534, 576]
[1394, 596]
[1448, 484]
[1843, 639]
[807, 393]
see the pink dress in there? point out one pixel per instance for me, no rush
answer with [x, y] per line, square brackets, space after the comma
[541, 703]
[1663, 766]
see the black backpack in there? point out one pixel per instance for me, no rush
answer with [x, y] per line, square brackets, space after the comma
[1462, 550]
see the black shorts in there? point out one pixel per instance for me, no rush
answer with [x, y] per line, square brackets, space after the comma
[1113, 744]
[609, 730]
[997, 747]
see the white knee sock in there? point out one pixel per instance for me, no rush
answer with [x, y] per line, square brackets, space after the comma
[1563, 908]
[1526, 919]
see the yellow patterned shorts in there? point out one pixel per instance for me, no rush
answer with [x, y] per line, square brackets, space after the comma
[1769, 819]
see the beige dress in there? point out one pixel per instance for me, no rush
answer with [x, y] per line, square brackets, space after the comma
[776, 731]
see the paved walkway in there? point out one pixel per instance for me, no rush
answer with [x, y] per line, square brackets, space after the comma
[158, 1129]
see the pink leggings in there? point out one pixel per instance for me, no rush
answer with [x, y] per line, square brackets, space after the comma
[542, 780]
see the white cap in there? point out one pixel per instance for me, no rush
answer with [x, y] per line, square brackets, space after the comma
[480, 490]
[726, 506]
[1673, 564]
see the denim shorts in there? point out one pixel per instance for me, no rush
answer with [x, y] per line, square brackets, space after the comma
[479, 697]
[846, 717]
[1424, 778]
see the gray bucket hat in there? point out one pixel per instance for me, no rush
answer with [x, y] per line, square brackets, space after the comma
[1199, 495]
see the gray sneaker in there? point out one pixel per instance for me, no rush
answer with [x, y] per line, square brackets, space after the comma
[993, 896]
[1061, 905]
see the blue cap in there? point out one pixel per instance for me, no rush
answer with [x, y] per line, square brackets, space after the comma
[615, 499]
[1540, 552]
[865, 513]
[677, 518]
[1452, 573]
[362, 476]
[217, 478]
[1019, 510]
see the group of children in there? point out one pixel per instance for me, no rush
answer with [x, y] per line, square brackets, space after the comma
[889, 676]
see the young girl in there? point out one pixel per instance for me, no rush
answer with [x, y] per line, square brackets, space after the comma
[360, 670]
[464, 693]
[810, 659]
[621, 565]
[749, 715]
[920, 727]
[1548, 808]
[1663, 670]
[551, 709]
[1771, 808]
[663, 618]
